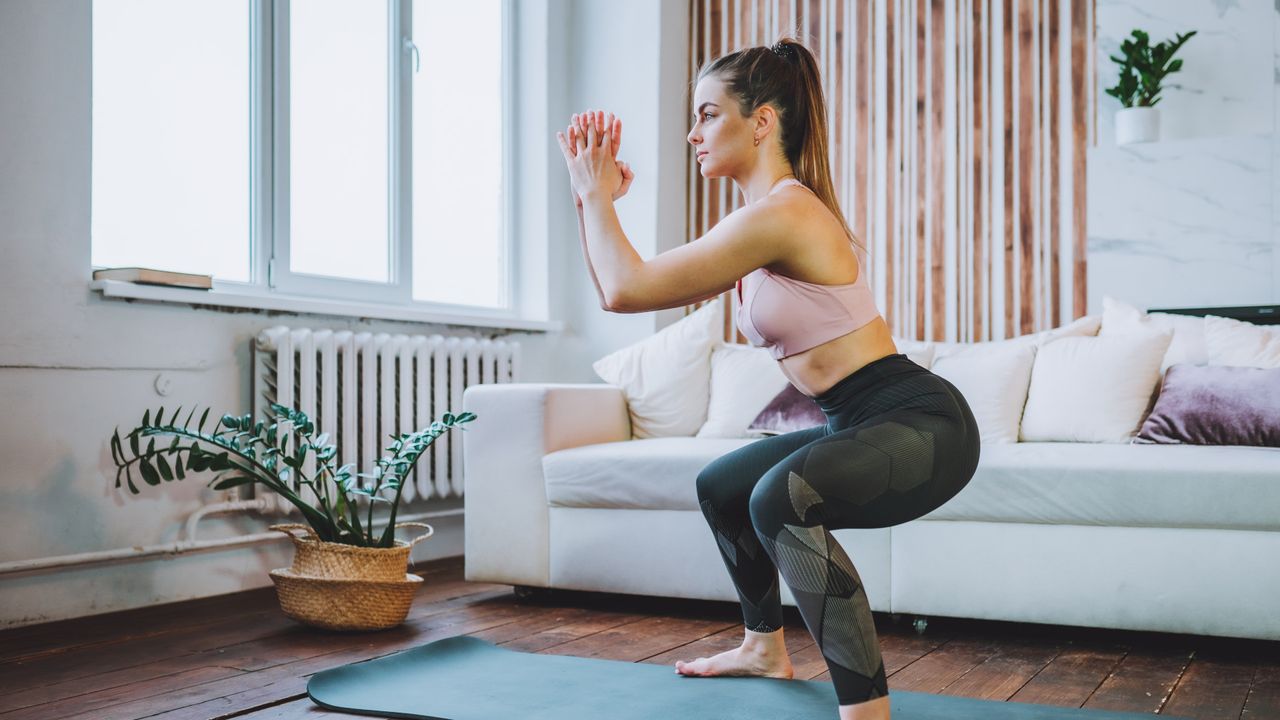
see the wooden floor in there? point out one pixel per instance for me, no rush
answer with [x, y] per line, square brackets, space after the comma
[238, 656]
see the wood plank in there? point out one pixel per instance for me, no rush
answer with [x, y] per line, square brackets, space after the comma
[265, 678]
[1055, 201]
[1080, 62]
[1264, 695]
[1027, 178]
[287, 681]
[981, 307]
[235, 661]
[126, 625]
[1214, 687]
[1001, 674]
[300, 709]
[639, 639]
[55, 637]
[75, 669]
[1072, 677]
[943, 666]
[936, 180]
[1007, 179]
[890, 278]
[592, 623]
[923, 188]
[1142, 683]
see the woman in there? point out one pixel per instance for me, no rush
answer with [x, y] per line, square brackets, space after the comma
[899, 441]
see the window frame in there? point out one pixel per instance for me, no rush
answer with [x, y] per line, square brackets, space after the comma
[269, 238]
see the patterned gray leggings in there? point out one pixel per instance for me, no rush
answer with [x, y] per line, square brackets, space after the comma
[899, 442]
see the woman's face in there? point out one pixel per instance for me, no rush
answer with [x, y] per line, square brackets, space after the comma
[721, 137]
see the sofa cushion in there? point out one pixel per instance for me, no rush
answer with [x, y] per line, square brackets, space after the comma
[1241, 344]
[651, 473]
[1050, 483]
[1188, 346]
[665, 376]
[1184, 486]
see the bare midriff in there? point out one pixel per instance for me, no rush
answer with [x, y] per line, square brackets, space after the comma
[817, 369]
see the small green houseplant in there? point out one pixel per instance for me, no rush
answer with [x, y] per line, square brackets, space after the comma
[273, 455]
[1143, 69]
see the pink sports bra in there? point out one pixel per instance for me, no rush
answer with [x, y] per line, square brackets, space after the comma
[789, 316]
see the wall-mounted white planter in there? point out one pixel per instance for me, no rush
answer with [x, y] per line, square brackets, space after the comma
[1137, 124]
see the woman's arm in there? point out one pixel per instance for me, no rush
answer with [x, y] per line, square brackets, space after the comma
[582, 235]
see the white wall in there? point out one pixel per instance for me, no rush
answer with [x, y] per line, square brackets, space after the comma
[1191, 220]
[73, 366]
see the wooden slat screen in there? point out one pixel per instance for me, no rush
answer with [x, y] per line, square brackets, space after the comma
[950, 121]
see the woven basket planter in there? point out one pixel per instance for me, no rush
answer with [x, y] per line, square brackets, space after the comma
[345, 587]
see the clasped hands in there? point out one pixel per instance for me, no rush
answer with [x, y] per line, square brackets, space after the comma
[590, 146]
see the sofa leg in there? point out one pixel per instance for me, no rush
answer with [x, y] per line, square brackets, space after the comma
[920, 623]
[527, 593]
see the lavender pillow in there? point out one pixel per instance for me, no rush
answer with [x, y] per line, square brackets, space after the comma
[1215, 405]
[788, 411]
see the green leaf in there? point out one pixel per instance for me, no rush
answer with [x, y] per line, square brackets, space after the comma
[174, 419]
[187, 423]
[165, 471]
[233, 482]
[177, 469]
[146, 417]
[203, 416]
[149, 473]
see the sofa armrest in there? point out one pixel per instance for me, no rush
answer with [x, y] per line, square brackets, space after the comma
[505, 523]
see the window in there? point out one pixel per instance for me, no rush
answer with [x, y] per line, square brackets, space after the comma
[345, 149]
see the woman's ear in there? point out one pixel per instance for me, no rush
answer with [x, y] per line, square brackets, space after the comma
[766, 121]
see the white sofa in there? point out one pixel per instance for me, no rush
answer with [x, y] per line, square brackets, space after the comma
[1172, 538]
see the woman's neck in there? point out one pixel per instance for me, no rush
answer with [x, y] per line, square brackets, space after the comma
[758, 187]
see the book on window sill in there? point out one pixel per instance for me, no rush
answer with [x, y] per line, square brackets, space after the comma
[148, 276]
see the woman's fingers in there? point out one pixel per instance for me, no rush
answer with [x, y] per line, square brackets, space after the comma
[616, 133]
[580, 135]
[573, 140]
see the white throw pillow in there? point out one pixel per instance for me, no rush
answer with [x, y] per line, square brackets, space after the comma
[743, 381]
[666, 376]
[1241, 344]
[1093, 389]
[993, 378]
[1188, 346]
[919, 352]
[1083, 326]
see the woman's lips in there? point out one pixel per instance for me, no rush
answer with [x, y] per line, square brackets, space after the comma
[702, 154]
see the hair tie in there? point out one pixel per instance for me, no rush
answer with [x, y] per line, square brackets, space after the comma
[783, 50]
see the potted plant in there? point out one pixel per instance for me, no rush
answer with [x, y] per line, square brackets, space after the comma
[1142, 70]
[345, 574]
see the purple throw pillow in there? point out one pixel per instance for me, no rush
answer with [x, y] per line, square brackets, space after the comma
[788, 411]
[1215, 405]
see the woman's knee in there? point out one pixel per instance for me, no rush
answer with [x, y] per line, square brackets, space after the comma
[770, 503]
[719, 488]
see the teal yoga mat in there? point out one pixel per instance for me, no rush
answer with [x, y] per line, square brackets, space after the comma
[465, 678]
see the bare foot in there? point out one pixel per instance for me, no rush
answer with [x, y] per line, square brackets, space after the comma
[760, 655]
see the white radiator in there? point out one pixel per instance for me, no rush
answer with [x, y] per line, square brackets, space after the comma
[361, 388]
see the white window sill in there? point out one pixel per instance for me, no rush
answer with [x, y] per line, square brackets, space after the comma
[227, 298]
